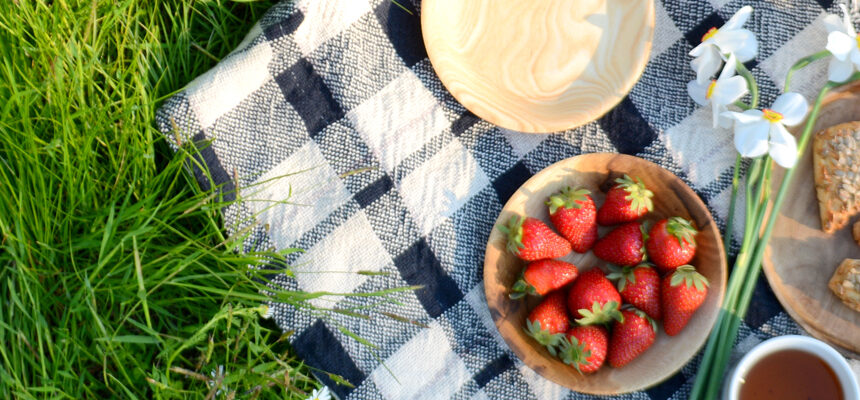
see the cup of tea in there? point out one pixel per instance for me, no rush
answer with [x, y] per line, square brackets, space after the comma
[792, 367]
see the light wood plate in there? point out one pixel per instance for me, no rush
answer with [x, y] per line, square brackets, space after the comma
[538, 66]
[671, 198]
[800, 258]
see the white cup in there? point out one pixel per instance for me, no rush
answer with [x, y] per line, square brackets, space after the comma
[850, 387]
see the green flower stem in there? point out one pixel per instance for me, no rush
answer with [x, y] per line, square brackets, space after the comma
[802, 63]
[727, 235]
[751, 83]
[729, 329]
[713, 356]
[742, 105]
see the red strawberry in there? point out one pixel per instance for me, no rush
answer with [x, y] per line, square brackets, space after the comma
[640, 287]
[585, 348]
[624, 245]
[671, 243]
[684, 291]
[626, 201]
[593, 299]
[631, 337]
[573, 214]
[530, 239]
[548, 321]
[543, 276]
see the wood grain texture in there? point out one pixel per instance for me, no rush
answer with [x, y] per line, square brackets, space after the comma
[538, 66]
[801, 258]
[672, 198]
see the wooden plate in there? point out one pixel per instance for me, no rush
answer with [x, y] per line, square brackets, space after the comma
[801, 258]
[672, 198]
[538, 66]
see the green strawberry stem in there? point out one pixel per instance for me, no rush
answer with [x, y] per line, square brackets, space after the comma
[682, 230]
[600, 314]
[514, 233]
[571, 352]
[748, 262]
[521, 288]
[550, 340]
[567, 198]
[638, 195]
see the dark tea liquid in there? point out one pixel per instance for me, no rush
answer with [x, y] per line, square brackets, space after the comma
[791, 374]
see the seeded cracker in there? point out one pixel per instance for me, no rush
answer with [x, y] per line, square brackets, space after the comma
[836, 162]
[846, 283]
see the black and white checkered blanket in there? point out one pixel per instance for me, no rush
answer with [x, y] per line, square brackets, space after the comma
[332, 86]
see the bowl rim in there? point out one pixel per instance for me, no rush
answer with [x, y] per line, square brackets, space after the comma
[556, 127]
[720, 249]
[808, 344]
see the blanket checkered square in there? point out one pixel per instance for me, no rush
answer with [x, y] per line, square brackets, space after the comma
[326, 87]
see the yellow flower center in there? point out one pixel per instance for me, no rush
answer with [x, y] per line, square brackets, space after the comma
[771, 115]
[711, 32]
[857, 39]
[710, 91]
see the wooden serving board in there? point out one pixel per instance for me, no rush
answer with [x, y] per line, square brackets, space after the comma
[538, 66]
[671, 198]
[801, 258]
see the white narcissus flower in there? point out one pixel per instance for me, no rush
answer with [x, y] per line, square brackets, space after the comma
[843, 43]
[763, 131]
[718, 44]
[320, 394]
[719, 93]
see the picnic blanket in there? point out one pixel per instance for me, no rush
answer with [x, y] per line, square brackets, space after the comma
[333, 106]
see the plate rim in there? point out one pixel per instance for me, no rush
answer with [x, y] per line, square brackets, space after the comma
[723, 260]
[768, 266]
[634, 77]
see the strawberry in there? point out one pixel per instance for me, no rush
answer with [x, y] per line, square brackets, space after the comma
[626, 201]
[530, 239]
[548, 321]
[671, 243]
[593, 298]
[684, 291]
[639, 286]
[631, 337]
[573, 214]
[584, 348]
[543, 276]
[624, 245]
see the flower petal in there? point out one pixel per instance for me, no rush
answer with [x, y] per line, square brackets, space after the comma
[846, 21]
[730, 68]
[716, 109]
[783, 146]
[727, 91]
[698, 92]
[840, 44]
[706, 64]
[737, 41]
[700, 49]
[739, 19]
[833, 24]
[751, 139]
[749, 51]
[746, 117]
[854, 55]
[839, 71]
[725, 121]
[792, 106]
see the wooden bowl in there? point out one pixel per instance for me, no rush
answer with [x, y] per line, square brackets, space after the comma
[538, 66]
[671, 198]
[801, 258]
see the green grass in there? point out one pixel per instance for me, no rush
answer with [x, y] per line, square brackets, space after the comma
[116, 279]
